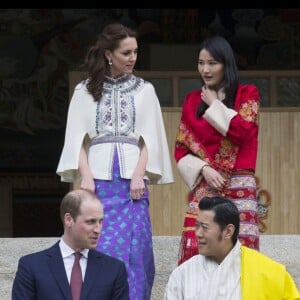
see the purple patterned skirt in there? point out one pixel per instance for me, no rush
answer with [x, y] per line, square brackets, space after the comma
[127, 232]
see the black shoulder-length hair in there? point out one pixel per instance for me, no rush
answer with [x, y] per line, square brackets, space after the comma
[221, 51]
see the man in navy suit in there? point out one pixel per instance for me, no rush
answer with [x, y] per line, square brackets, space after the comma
[45, 275]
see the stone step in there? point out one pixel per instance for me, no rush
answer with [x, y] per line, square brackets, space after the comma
[283, 248]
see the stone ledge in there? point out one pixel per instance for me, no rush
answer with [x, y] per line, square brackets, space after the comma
[283, 248]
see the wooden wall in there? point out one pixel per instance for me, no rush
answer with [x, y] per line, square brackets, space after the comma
[278, 169]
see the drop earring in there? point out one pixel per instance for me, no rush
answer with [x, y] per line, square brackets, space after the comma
[109, 61]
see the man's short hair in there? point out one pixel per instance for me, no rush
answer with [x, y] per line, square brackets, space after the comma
[226, 213]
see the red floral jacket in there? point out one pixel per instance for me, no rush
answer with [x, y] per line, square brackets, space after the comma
[237, 150]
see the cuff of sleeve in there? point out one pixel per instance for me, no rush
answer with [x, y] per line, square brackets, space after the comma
[219, 116]
[189, 169]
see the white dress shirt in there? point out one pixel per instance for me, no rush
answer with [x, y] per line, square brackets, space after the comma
[69, 257]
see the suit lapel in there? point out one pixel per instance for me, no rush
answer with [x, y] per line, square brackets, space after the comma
[57, 268]
[92, 268]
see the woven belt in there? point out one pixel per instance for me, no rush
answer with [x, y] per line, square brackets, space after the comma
[114, 139]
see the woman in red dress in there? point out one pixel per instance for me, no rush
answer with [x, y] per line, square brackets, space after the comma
[217, 142]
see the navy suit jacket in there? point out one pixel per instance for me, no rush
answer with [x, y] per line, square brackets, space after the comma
[42, 276]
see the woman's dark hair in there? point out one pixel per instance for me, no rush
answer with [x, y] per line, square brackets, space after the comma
[226, 213]
[221, 51]
[95, 60]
